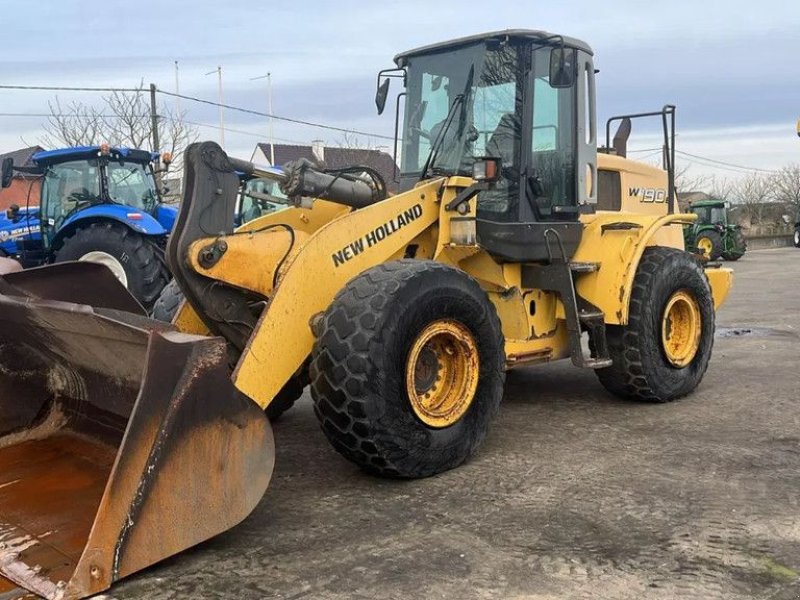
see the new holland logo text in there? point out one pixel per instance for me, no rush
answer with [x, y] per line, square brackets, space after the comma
[377, 235]
[649, 194]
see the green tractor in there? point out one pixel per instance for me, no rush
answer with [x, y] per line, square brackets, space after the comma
[712, 235]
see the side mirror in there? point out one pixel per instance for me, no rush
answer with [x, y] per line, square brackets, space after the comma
[7, 171]
[12, 212]
[381, 94]
[562, 67]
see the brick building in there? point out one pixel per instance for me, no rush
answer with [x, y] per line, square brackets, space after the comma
[24, 188]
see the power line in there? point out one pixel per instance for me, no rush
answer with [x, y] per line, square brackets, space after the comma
[56, 88]
[724, 163]
[279, 118]
[53, 88]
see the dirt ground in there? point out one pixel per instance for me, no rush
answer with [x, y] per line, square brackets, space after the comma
[575, 494]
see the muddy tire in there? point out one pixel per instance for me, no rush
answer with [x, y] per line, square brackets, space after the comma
[391, 379]
[664, 350]
[709, 244]
[131, 257]
[168, 302]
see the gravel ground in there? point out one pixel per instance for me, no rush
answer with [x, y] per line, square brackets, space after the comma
[575, 494]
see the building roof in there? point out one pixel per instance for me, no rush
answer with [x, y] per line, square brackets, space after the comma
[337, 158]
[22, 157]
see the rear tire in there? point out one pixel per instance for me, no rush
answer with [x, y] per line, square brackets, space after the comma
[709, 244]
[144, 270]
[739, 246]
[796, 238]
[369, 399]
[644, 369]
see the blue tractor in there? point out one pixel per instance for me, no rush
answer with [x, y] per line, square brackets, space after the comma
[98, 204]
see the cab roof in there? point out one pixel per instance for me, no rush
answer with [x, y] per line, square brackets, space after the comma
[50, 157]
[524, 34]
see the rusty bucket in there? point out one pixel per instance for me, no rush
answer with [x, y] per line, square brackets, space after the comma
[122, 441]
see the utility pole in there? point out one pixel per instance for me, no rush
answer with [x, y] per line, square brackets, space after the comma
[218, 71]
[268, 77]
[177, 93]
[154, 127]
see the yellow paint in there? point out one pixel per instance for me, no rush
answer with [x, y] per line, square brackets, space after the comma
[442, 372]
[282, 339]
[331, 247]
[618, 252]
[721, 281]
[237, 267]
[681, 326]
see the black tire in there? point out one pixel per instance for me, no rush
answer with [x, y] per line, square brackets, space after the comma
[796, 238]
[168, 302]
[165, 308]
[714, 239]
[144, 268]
[359, 362]
[739, 246]
[641, 370]
[289, 394]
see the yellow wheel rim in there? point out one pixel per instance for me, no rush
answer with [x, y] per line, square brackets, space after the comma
[705, 246]
[681, 326]
[442, 373]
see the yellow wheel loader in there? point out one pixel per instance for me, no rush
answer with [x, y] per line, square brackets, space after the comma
[513, 241]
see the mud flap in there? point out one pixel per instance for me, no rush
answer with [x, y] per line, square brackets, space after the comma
[122, 442]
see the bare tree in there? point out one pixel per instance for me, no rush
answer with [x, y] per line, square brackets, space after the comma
[722, 188]
[752, 192]
[686, 182]
[121, 119]
[787, 186]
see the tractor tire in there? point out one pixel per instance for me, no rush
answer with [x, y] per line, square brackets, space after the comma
[165, 309]
[394, 336]
[130, 256]
[168, 302]
[739, 247]
[709, 244]
[663, 351]
[796, 238]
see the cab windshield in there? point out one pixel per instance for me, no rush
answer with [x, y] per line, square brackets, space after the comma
[468, 98]
[131, 184]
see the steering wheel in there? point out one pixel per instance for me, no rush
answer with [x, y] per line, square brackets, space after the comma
[82, 198]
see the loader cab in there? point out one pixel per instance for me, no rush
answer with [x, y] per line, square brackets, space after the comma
[525, 98]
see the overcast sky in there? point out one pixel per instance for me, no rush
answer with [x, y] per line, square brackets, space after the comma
[732, 67]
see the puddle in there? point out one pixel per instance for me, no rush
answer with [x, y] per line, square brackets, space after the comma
[732, 332]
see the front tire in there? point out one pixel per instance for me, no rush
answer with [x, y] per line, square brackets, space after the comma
[664, 350]
[168, 302]
[408, 369]
[130, 256]
[796, 238]
[165, 309]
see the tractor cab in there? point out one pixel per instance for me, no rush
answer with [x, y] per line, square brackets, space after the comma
[524, 99]
[75, 179]
[711, 212]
